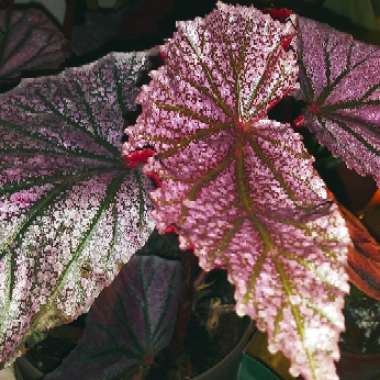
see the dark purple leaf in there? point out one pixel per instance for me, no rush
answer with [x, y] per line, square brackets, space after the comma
[29, 40]
[129, 323]
[340, 80]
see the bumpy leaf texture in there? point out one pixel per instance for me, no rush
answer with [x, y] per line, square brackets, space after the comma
[29, 40]
[241, 188]
[70, 212]
[340, 82]
[130, 322]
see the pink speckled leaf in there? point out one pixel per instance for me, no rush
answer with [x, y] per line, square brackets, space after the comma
[29, 40]
[241, 188]
[129, 324]
[340, 80]
[71, 213]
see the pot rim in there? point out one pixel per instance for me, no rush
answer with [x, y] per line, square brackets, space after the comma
[249, 331]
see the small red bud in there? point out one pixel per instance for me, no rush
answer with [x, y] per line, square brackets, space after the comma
[148, 360]
[155, 178]
[242, 125]
[298, 122]
[171, 229]
[280, 14]
[286, 41]
[138, 157]
[162, 55]
[238, 152]
[190, 248]
[313, 108]
[273, 103]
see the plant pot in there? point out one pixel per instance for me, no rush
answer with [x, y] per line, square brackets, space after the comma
[228, 367]
[25, 370]
[272, 365]
[351, 366]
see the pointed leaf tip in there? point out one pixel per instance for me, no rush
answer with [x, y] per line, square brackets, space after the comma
[240, 188]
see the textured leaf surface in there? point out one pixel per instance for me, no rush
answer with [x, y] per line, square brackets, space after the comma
[70, 212]
[340, 82]
[28, 41]
[128, 324]
[241, 188]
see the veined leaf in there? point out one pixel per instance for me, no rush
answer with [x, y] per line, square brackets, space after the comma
[131, 321]
[29, 40]
[363, 258]
[241, 188]
[340, 82]
[70, 212]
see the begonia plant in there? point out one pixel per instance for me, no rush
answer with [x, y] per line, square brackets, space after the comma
[204, 159]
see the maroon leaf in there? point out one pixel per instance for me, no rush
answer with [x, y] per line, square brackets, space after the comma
[130, 322]
[340, 83]
[363, 258]
[29, 40]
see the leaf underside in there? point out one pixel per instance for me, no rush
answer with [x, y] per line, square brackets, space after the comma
[70, 213]
[241, 188]
[341, 85]
[29, 40]
[363, 257]
[130, 322]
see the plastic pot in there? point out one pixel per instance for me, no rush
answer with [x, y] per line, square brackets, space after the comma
[227, 368]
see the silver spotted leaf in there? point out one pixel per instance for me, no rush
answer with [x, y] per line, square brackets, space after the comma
[71, 213]
[340, 81]
[240, 188]
[29, 40]
[128, 324]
